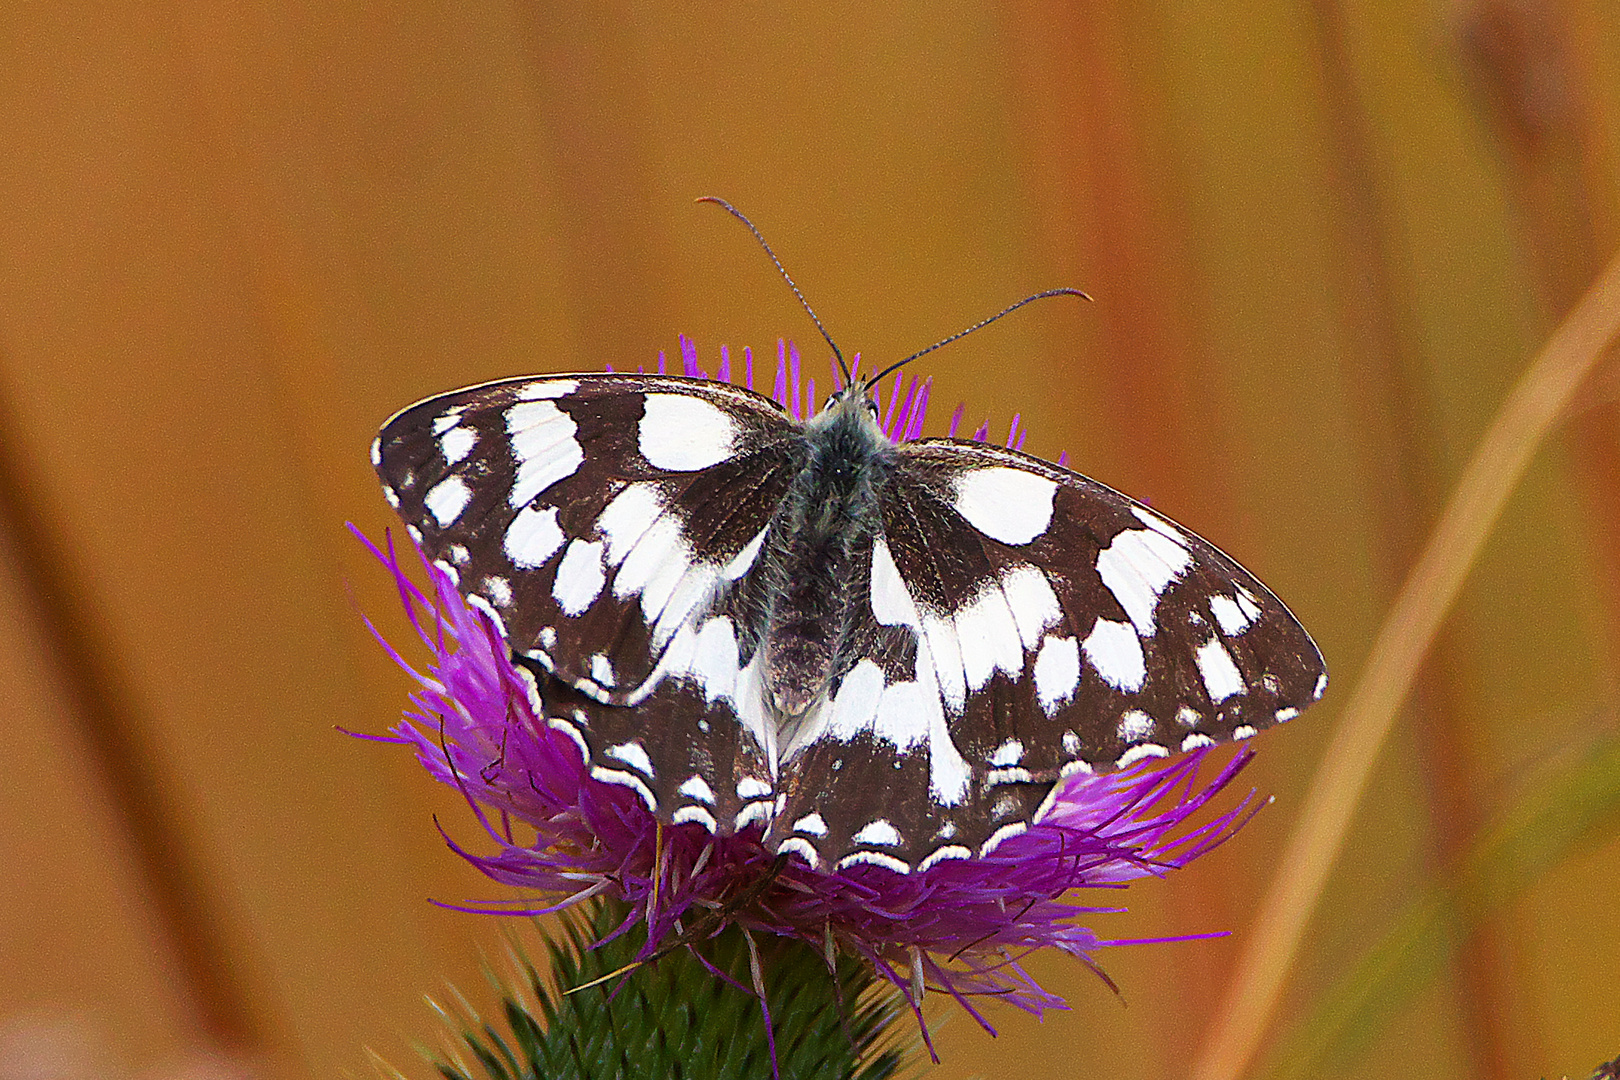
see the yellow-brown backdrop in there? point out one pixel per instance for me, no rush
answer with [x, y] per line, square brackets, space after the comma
[1323, 239]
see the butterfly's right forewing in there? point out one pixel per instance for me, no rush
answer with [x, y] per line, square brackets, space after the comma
[597, 518]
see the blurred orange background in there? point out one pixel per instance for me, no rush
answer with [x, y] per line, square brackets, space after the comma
[1323, 240]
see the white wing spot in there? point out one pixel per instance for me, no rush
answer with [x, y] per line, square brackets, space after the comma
[903, 715]
[1159, 525]
[944, 651]
[447, 500]
[625, 779]
[754, 811]
[812, 824]
[442, 424]
[499, 590]
[533, 537]
[803, 847]
[557, 723]
[714, 662]
[1231, 615]
[695, 787]
[551, 388]
[1321, 686]
[1196, 741]
[892, 604]
[627, 517]
[632, 754]
[1010, 752]
[1071, 743]
[875, 858]
[602, 671]
[909, 712]
[1007, 776]
[1057, 671]
[1011, 505]
[1034, 605]
[751, 787]
[1188, 717]
[459, 554]
[695, 813]
[989, 638]
[685, 433]
[457, 443]
[912, 710]
[474, 600]
[1221, 677]
[949, 851]
[1116, 653]
[1243, 731]
[878, 833]
[1141, 752]
[855, 706]
[580, 577]
[743, 561]
[544, 447]
[1285, 715]
[1137, 567]
[1135, 725]
[1002, 835]
[691, 591]
[654, 567]
[1246, 601]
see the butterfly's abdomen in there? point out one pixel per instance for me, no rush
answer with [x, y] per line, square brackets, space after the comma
[826, 526]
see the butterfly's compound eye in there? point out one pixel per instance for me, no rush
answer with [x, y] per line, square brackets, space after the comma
[871, 406]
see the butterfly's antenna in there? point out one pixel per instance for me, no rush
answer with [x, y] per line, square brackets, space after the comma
[740, 216]
[980, 325]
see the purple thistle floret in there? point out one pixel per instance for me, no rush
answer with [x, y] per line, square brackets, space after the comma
[961, 927]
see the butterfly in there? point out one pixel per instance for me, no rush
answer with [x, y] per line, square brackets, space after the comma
[874, 652]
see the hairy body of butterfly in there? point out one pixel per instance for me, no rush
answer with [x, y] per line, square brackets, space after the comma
[874, 652]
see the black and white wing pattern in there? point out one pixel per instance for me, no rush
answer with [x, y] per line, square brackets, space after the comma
[876, 653]
[1060, 627]
[603, 522]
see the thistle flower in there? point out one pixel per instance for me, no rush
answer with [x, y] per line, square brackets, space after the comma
[959, 927]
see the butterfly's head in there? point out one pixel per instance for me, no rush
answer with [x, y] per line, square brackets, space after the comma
[852, 410]
[855, 397]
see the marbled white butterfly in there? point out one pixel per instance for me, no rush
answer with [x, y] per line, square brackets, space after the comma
[874, 651]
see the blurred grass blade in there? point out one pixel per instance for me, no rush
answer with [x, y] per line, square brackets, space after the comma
[1491, 475]
[1556, 818]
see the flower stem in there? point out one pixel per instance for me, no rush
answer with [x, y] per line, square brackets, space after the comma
[675, 1017]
